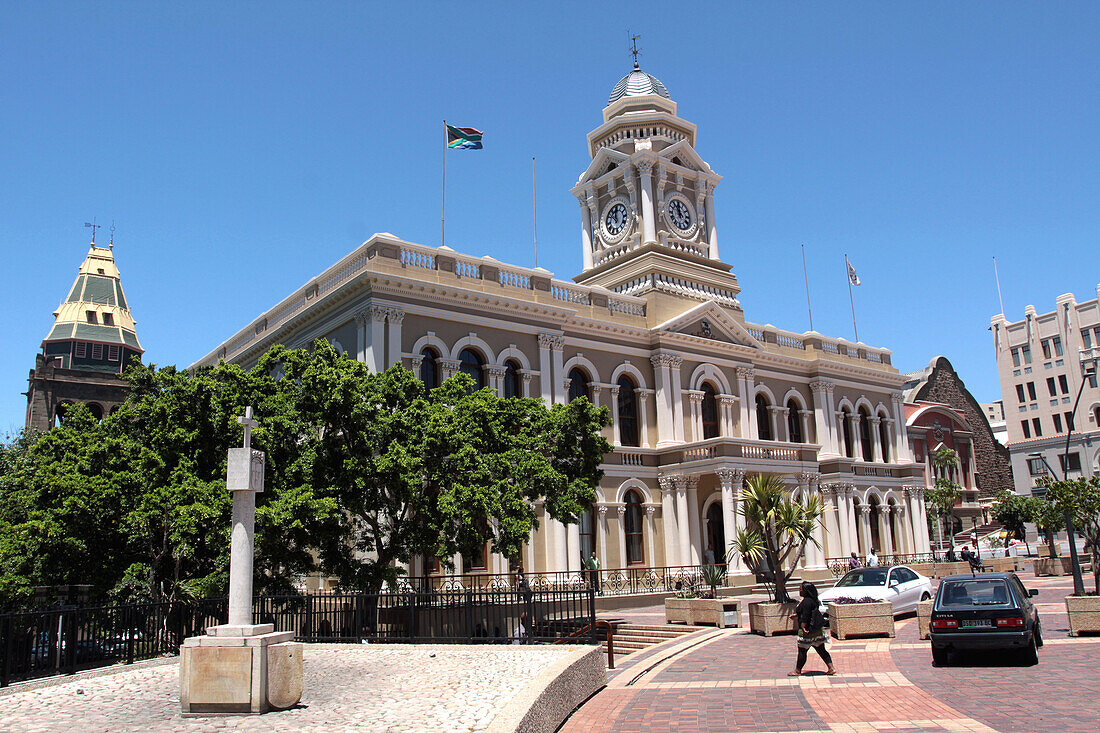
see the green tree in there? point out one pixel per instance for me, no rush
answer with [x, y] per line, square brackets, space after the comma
[1013, 511]
[1047, 516]
[1081, 497]
[433, 472]
[777, 530]
[941, 498]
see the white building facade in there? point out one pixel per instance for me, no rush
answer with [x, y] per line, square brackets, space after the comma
[652, 328]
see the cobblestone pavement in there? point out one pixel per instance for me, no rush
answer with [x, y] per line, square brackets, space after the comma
[365, 688]
[735, 681]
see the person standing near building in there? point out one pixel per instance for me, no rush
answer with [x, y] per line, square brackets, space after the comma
[593, 565]
[853, 561]
[872, 559]
[811, 629]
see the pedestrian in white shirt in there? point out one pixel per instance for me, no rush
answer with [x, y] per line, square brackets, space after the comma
[872, 559]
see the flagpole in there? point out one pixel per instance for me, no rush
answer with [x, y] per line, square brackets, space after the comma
[998, 278]
[807, 277]
[535, 210]
[443, 205]
[851, 298]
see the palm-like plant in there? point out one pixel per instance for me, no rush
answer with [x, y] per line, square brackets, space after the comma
[778, 530]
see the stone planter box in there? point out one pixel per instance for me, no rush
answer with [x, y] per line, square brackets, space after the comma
[721, 612]
[1084, 614]
[861, 619]
[924, 618]
[1051, 566]
[771, 618]
[940, 569]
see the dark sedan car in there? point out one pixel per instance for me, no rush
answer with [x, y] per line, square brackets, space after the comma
[987, 611]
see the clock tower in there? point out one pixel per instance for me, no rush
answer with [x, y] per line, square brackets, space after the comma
[647, 204]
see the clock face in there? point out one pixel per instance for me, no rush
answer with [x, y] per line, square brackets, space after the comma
[679, 214]
[615, 219]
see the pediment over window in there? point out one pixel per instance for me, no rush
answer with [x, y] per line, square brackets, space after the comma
[710, 321]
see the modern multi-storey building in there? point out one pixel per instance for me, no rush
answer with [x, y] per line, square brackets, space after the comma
[652, 328]
[995, 416]
[1042, 361]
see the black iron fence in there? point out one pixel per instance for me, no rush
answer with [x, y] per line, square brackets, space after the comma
[841, 565]
[67, 640]
[609, 582]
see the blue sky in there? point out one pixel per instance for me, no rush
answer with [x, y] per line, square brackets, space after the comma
[241, 148]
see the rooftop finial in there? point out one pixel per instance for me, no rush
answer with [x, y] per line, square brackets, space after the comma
[634, 50]
[94, 226]
[112, 244]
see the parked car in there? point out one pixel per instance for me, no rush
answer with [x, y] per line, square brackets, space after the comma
[989, 611]
[900, 585]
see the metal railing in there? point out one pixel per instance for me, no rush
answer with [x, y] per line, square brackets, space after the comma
[606, 581]
[840, 565]
[71, 639]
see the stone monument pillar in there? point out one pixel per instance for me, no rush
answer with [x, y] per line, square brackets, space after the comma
[241, 667]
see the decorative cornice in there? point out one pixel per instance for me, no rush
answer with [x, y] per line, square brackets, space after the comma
[820, 386]
[746, 373]
[666, 360]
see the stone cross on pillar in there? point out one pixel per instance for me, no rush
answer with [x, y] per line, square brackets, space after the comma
[244, 479]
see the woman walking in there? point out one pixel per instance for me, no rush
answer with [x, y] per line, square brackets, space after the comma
[811, 629]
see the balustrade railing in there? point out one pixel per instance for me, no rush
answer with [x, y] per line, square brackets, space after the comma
[840, 565]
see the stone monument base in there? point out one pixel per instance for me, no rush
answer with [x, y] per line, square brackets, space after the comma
[240, 669]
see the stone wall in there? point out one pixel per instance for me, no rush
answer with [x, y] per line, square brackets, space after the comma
[991, 461]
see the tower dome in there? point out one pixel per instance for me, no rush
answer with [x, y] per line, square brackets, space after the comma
[637, 83]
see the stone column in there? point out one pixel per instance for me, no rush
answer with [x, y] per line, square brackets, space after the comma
[821, 418]
[649, 211]
[728, 478]
[844, 517]
[745, 377]
[864, 528]
[901, 443]
[695, 399]
[375, 357]
[691, 483]
[668, 519]
[642, 397]
[557, 347]
[621, 511]
[596, 389]
[834, 426]
[876, 438]
[550, 552]
[726, 404]
[241, 545]
[602, 510]
[448, 368]
[804, 416]
[586, 233]
[890, 453]
[545, 372]
[650, 531]
[857, 439]
[712, 234]
[833, 545]
[779, 427]
[495, 376]
[902, 533]
[573, 542]
[526, 377]
[683, 521]
[561, 545]
[885, 530]
[677, 399]
[815, 554]
[393, 347]
[616, 434]
[662, 378]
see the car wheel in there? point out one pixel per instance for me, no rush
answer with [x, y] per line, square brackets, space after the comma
[1030, 655]
[926, 596]
[939, 657]
[1038, 634]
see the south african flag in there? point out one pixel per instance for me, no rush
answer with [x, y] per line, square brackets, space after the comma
[463, 138]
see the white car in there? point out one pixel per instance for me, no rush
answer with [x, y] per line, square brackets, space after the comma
[898, 584]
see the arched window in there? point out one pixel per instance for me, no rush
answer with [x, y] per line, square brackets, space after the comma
[632, 528]
[429, 368]
[846, 429]
[865, 434]
[587, 531]
[710, 412]
[511, 379]
[763, 422]
[578, 384]
[628, 412]
[794, 422]
[96, 409]
[884, 436]
[1096, 415]
[470, 362]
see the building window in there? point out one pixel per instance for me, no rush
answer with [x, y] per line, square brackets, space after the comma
[112, 353]
[794, 423]
[470, 362]
[846, 426]
[81, 349]
[884, 436]
[628, 412]
[1015, 357]
[91, 316]
[511, 379]
[865, 434]
[1027, 429]
[1056, 342]
[429, 368]
[1020, 393]
[1095, 416]
[1057, 423]
[97, 351]
[710, 412]
[763, 422]
[587, 530]
[1036, 467]
[475, 561]
[108, 319]
[1038, 427]
[1025, 351]
[1052, 387]
[1046, 348]
[1074, 463]
[578, 385]
[1086, 337]
[1063, 383]
[632, 528]
[1031, 391]
[1069, 421]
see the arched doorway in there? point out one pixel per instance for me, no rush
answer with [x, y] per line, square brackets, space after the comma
[716, 533]
[873, 518]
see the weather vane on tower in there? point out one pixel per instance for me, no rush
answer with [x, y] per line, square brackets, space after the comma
[634, 49]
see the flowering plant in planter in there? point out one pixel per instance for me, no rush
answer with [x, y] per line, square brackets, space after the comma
[845, 600]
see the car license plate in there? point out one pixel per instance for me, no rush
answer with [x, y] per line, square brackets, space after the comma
[973, 623]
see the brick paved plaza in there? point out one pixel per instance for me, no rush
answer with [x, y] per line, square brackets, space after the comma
[734, 681]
